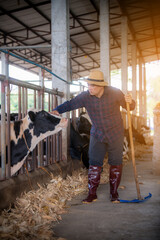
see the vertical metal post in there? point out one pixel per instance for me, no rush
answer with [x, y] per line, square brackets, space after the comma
[26, 101]
[34, 99]
[8, 117]
[23, 107]
[48, 140]
[19, 102]
[34, 157]
[39, 144]
[3, 133]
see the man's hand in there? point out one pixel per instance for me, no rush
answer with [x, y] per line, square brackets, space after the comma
[128, 98]
[55, 112]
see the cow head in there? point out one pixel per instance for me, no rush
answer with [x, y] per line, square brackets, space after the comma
[43, 124]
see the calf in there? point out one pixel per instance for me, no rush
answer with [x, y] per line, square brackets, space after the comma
[28, 132]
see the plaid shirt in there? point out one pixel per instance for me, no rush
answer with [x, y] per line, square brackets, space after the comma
[107, 123]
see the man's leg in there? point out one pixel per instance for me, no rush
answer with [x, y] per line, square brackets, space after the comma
[97, 151]
[115, 155]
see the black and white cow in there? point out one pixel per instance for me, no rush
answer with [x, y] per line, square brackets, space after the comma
[28, 132]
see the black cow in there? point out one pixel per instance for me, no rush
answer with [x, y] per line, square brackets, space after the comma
[84, 125]
[79, 146]
[28, 132]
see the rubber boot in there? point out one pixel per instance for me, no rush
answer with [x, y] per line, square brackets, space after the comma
[94, 173]
[115, 178]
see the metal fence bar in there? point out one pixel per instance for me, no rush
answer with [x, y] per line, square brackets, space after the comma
[23, 108]
[19, 103]
[8, 131]
[3, 133]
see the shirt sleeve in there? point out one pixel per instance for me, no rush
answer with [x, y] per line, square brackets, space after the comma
[122, 101]
[75, 103]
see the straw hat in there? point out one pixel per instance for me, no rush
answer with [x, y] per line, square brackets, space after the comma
[96, 77]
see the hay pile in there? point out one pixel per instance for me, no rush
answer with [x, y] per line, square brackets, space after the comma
[140, 149]
[34, 213]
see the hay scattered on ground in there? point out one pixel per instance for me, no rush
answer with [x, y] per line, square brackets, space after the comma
[34, 212]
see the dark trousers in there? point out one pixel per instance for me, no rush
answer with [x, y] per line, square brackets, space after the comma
[98, 150]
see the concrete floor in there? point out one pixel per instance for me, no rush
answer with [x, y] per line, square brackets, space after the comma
[103, 220]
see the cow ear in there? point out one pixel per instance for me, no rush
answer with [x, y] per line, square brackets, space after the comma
[32, 115]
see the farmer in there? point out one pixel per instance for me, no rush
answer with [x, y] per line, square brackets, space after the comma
[102, 103]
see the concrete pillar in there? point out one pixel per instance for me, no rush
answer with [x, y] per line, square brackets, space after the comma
[105, 40]
[144, 94]
[60, 53]
[134, 72]
[140, 88]
[156, 141]
[124, 54]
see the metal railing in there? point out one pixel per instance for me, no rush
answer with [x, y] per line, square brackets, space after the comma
[42, 98]
[137, 121]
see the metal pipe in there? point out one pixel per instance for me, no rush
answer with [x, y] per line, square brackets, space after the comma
[26, 101]
[23, 103]
[24, 47]
[30, 85]
[35, 99]
[19, 103]
[8, 131]
[3, 133]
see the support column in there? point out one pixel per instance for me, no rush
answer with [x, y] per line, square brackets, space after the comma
[140, 88]
[124, 54]
[144, 94]
[105, 40]
[60, 53]
[156, 140]
[134, 73]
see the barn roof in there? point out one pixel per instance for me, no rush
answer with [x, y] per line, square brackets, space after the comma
[28, 22]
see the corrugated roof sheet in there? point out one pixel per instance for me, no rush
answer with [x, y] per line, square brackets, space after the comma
[28, 22]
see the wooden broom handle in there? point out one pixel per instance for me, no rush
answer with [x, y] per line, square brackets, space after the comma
[132, 152]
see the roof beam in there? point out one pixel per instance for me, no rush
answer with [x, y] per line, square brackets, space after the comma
[26, 7]
[23, 24]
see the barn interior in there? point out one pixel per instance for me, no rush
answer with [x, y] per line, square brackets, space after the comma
[61, 42]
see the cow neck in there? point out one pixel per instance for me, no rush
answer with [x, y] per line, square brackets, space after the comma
[25, 139]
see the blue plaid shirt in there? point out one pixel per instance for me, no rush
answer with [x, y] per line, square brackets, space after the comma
[107, 123]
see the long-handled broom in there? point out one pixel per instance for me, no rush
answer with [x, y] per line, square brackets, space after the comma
[139, 199]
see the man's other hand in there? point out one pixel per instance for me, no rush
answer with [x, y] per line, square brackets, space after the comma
[128, 98]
